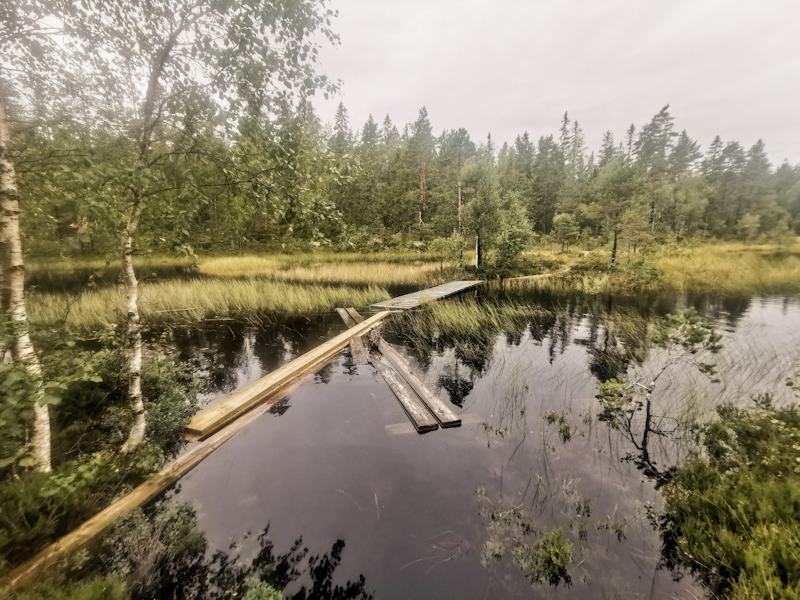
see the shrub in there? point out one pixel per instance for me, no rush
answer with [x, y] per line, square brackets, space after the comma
[733, 517]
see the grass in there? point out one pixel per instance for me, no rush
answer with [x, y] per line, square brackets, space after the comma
[717, 268]
[188, 301]
[342, 269]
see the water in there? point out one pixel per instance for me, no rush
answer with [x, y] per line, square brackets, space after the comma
[331, 466]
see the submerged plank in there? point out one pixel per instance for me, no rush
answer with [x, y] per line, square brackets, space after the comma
[439, 292]
[356, 343]
[413, 407]
[443, 413]
[354, 315]
[211, 419]
[87, 533]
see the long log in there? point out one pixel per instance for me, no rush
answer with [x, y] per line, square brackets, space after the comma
[211, 419]
[416, 411]
[443, 414]
[356, 343]
[87, 533]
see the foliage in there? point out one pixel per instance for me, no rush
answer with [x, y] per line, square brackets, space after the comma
[107, 587]
[547, 559]
[731, 516]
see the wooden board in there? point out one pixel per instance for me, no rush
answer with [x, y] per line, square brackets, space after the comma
[422, 420]
[410, 301]
[87, 533]
[356, 343]
[213, 418]
[354, 315]
[443, 413]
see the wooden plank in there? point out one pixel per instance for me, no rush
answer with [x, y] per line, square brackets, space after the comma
[214, 417]
[354, 315]
[87, 533]
[413, 407]
[443, 413]
[356, 343]
[348, 320]
[439, 292]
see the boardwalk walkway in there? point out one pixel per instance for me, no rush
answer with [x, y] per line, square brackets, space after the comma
[410, 301]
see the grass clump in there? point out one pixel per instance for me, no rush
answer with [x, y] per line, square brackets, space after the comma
[176, 301]
[732, 517]
[547, 559]
[109, 587]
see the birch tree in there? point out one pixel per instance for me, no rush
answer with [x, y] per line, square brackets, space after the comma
[245, 57]
[25, 44]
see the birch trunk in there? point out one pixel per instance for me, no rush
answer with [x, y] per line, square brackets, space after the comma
[133, 331]
[13, 294]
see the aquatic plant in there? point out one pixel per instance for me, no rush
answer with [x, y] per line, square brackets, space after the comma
[547, 559]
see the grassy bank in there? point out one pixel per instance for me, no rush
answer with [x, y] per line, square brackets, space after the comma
[182, 301]
[721, 268]
[341, 269]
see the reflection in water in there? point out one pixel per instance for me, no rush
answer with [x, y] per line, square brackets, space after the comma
[333, 468]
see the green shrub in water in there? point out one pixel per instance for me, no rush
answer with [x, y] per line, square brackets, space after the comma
[263, 591]
[733, 516]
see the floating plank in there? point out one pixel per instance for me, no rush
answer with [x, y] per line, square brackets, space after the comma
[356, 343]
[87, 533]
[410, 301]
[214, 417]
[443, 413]
[413, 407]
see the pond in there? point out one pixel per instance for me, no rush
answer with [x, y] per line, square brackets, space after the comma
[340, 490]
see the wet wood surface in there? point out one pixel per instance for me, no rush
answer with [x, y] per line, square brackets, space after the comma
[92, 529]
[214, 417]
[439, 292]
[422, 420]
[356, 343]
[444, 415]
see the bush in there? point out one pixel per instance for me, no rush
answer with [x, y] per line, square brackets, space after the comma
[733, 517]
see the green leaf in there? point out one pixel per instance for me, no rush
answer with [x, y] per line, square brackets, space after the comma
[49, 399]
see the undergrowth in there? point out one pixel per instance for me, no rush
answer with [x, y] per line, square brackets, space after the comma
[732, 516]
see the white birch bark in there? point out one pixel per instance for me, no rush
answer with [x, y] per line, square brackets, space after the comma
[133, 331]
[13, 294]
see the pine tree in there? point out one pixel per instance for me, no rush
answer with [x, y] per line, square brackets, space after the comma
[654, 143]
[607, 151]
[389, 133]
[684, 155]
[342, 135]
[564, 135]
[369, 135]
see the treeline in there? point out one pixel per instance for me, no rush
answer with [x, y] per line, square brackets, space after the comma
[284, 180]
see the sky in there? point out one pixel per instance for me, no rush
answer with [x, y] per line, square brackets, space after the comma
[726, 67]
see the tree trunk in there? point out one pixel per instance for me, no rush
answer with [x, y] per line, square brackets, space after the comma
[421, 197]
[478, 252]
[460, 226]
[614, 252]
[13, 294]
[134, 330]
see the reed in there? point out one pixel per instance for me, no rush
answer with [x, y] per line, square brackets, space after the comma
[190, 301]
[341, 269]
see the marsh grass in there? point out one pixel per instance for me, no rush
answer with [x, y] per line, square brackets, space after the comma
[721, 268]
[342, 269]
[190, 301]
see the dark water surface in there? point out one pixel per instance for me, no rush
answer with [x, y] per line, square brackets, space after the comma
[335, 461]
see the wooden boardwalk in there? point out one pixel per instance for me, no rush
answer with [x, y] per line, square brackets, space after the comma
[410, 301]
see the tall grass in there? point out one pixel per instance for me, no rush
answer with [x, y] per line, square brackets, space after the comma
[343, 269]
[194, 300]
[722, 268]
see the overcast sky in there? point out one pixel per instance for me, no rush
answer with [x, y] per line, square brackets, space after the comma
[725, 67]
